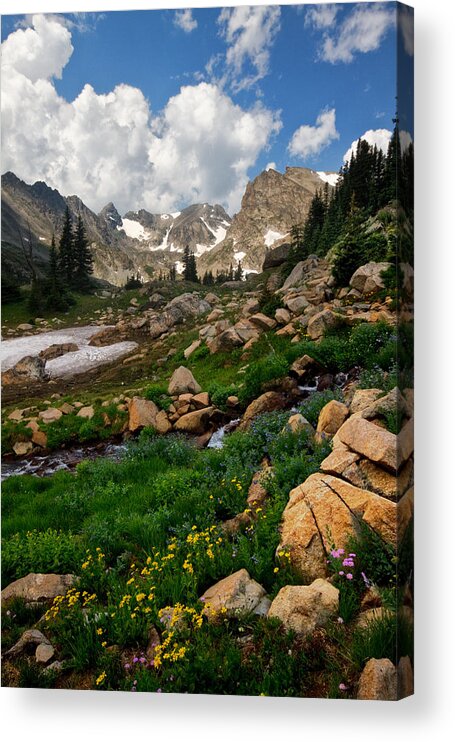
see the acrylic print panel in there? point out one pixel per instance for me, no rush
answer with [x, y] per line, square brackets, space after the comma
[207, 286]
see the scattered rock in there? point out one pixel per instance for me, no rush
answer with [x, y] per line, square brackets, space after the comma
[162, 423]
[303, 608]
[31, 637]
[267, 402]
[30, 368]
[22, 448]
[44, 653]
[363, 398]
[51, 415]
[87, 412]
[24, 327]
[225, 341]
[298, 422]
[371, 441]
[142, 413]
[262, 321]
[282, 316]
[321, 322]
[235, 594]
[196, 422]
[183, 381]
[332, 417]
[55, 351]
[367, 279]
[191, 348]
[378, 681]
[38, 587]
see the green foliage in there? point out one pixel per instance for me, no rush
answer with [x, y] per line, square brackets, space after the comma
[39, 551]
[366, 345]
[375, 558]
[313, 405]
[272, 366]
[158, 394]
[269, 302]
[219, 393]
[200, 353]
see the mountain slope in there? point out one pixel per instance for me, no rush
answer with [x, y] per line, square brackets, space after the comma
[273, 202]
[141, 242]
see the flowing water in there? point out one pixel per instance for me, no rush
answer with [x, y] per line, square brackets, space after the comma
[64, 460]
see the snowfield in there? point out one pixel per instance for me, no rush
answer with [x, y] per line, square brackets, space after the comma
[85, 359]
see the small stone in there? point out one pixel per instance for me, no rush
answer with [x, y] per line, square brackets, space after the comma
[22, 448]
[44, 653]
[303, 608]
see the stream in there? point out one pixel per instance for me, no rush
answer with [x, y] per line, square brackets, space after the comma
[67, 459]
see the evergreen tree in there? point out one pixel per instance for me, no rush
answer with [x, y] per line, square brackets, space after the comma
[56, 295]
[66, 261]
[238, 276]
[83, 261]
[189, 262]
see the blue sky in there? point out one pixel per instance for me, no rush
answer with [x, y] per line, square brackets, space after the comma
[286, 85]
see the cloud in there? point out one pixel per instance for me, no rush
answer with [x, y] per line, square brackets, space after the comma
[310, 140]
[271, 166]
[111, 147]
[321, 16]
[38, 53]
[81, 22]
[362, 31]
[249, 32]
[406, 26]
[184, 20]
[380, 138]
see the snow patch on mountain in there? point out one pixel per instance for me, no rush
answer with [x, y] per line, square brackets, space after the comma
[239, 256]
[271, 236]
[133, 229]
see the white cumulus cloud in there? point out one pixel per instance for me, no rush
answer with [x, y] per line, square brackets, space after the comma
[184, 20]
[38, 53]
[249, 32]
[110, 147]
[310, 140]
[380, 138]
[363, 30]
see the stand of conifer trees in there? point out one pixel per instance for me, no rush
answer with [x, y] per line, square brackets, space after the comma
[368, 182]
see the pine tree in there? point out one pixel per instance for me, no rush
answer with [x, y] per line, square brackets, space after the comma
[66, 261]
[56, 295]
[238, 272]
[83, 261]
[190, 269]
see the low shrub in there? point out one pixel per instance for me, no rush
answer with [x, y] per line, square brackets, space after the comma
[35, 551]
[158, 394]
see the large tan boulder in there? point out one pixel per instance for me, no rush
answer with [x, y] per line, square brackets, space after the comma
[338, 461]
[297, 423]
[191, 348]
[29, 368]
[142, 413]
[267, 402]
[196, 422]
[321, 322]
[162, 423]
[367, 279]
[225, 341]
[373, 442]
[332, 417]
[38, 587]
[325, 511]
[262, 321]
[235, 594]
[378, 681]
[182, 382]
[363, 398]
[303, 608]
